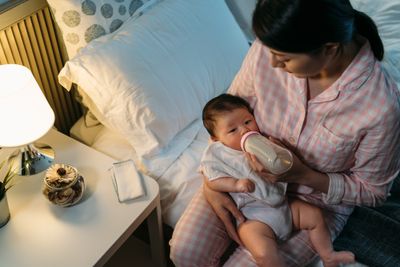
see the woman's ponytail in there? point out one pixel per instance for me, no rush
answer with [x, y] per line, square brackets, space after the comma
[366, 27]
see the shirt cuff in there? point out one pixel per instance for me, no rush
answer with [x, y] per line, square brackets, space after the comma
[335, 190]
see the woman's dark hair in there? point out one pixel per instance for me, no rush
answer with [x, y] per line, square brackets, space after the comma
[220, 105]
[302, 26]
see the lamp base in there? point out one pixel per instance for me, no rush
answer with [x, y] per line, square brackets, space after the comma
[31, 159]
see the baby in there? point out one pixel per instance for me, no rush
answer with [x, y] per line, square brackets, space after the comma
[269, 216]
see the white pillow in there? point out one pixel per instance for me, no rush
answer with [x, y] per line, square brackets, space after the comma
[82, 21]
[386, 15]
[151, 79]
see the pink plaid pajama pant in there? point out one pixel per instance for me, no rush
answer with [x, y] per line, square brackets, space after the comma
[200, 239]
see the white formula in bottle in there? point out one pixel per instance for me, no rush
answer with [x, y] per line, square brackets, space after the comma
[275, 158]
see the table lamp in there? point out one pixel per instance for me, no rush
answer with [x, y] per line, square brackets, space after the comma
[25, 116]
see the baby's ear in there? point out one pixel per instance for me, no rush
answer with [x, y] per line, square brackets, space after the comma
[213, 138]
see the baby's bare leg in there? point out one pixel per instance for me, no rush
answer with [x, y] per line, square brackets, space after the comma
[309, 217]
[260, 240]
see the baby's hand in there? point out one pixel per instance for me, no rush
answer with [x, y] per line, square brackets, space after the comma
[245, 186]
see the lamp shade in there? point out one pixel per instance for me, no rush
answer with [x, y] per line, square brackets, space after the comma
[25, 114]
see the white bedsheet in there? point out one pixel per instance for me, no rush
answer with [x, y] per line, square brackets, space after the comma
[179, 182]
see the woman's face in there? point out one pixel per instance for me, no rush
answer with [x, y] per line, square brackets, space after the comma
[300, 65]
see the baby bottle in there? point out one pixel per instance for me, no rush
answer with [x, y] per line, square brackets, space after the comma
[275, 158]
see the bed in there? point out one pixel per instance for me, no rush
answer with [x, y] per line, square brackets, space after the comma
[144, 78]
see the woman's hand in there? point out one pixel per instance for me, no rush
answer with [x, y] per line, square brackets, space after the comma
[225, 209]
[300, 173]
[294, 175]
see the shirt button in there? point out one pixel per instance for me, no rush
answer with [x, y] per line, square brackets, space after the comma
[292, 140]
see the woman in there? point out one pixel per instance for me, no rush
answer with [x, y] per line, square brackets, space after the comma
[314, 80]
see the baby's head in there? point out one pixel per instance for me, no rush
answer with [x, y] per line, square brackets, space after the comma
[227, 118]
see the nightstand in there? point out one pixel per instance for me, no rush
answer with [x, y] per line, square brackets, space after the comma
[87, 234]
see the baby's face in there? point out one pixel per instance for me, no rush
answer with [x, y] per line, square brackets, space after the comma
[231, 126]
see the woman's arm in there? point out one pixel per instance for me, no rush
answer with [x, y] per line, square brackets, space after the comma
[368, 182]
[376, 162]
[300, 173]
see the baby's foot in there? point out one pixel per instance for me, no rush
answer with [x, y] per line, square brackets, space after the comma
[337, 257]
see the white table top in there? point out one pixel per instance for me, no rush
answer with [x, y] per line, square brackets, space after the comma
[42, 234]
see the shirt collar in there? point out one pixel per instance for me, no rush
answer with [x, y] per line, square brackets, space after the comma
[352, 78]
[359, 70]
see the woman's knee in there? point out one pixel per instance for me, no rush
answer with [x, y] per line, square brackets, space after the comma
[179, 254]
[184, 255]
[199, 238]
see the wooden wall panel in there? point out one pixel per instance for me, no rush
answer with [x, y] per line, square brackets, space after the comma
[35, 43]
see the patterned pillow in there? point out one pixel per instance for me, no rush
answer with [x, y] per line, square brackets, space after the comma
[82, 21]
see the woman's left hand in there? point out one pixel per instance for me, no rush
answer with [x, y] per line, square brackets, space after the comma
[295, 175]
[300, 173]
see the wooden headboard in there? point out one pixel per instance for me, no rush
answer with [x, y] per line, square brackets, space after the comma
[29, 37]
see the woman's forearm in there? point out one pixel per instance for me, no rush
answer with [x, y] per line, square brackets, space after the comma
[316, 180]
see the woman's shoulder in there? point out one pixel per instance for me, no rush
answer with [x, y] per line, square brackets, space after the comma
[382, 96]
[366, 73]
[383, 88]
[366, 87]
